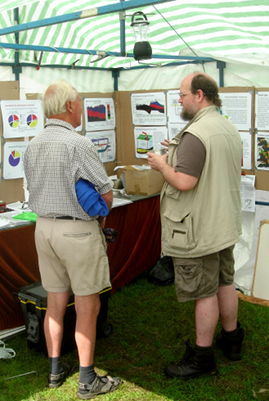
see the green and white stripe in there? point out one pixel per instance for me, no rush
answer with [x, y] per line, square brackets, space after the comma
[225, 30]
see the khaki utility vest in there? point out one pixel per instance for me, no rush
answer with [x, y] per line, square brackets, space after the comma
[207, 218]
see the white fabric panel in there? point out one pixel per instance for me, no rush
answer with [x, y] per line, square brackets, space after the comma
[261, 276]
[245, 253]
[6, 74]
[170, 77]
[246, 249]
[161, 77]
[246, 75]
[36, 81]
[32, 81]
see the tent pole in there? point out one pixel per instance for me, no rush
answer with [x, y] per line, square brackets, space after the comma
[16, 68]
[97, 52]
[122, 16]
[221, 65]
[115, 75]
[92, 12]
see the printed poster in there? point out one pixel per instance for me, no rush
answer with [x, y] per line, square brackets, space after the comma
[21, 118]
[147, 139]
[173, 130]
[262, 107]
[13, 159]
[236, 107]
[262, 151]
[148, 108]
[99, 114]
[105, 144]
[174, 108]
[246, 143]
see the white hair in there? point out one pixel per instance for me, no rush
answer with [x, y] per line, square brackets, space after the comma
[56, 96]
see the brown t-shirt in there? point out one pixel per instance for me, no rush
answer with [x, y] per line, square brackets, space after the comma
[190, 155]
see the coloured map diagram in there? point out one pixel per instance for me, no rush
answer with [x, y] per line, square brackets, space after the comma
[149, 109]
[99, 114]
[153, 106]
[13, 121]
[21, 118]
[32, 120]
[14, 158]
[96, 113]
[262, 152]
[102, 144]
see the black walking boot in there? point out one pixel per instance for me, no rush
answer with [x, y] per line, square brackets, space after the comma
[197, 361]
[230, 342]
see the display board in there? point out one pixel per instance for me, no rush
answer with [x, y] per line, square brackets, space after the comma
[142, 123]
[10, 190]
[261, 148]
[238, 107]
[126, 125]
[99, 111]
[125, 142]
[136, 129]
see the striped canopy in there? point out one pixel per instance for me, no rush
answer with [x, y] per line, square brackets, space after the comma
[179, 31]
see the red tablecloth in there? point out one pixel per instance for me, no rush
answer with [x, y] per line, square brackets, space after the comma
[136, 249]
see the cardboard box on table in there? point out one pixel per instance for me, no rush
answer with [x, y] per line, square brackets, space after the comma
[140, 180]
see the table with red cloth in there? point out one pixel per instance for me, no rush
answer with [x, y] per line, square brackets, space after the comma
[136, 249]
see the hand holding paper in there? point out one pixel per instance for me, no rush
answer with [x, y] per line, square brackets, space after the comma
[157, 162]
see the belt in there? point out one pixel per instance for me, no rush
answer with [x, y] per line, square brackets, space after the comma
[67, 218]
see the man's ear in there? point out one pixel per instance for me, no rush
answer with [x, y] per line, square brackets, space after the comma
[68, 106]
[200, 94]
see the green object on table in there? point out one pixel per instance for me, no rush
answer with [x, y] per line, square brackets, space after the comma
[30, 216]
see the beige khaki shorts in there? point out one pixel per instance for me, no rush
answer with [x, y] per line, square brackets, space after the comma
[72, 256]
[201, 277]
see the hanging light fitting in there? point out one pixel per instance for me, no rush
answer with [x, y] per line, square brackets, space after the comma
[142, 49]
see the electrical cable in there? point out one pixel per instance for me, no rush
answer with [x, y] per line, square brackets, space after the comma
[171, 26]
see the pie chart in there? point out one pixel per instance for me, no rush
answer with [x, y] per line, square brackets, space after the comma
[14, 158]
[13, 120]
[32, 120]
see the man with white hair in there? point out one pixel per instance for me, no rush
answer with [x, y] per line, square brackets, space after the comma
[70, 244]
[201, 221]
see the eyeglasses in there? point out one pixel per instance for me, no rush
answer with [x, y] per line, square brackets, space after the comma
[181, 94]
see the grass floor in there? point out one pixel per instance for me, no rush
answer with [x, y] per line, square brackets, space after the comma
[149, 331]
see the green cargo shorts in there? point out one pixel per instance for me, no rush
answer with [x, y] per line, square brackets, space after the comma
[201, 277]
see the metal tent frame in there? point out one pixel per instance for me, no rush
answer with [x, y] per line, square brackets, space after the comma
[120, 7]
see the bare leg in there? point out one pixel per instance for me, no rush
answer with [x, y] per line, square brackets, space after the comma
[87, 309]
[53, 322]
[228, 306]
[206, 319]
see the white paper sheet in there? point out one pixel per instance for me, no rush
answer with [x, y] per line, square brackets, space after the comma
[22, 118]
[236, 106]
[99, 114]
[149, 108]
[13, 159]
[105, 143]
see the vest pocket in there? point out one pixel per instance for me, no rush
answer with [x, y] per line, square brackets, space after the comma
[178, 232]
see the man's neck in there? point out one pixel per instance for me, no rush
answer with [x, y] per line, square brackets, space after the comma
[62, 116]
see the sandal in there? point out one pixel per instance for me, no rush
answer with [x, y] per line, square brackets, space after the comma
[6, 353]
[100, 385]
[56, 380]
